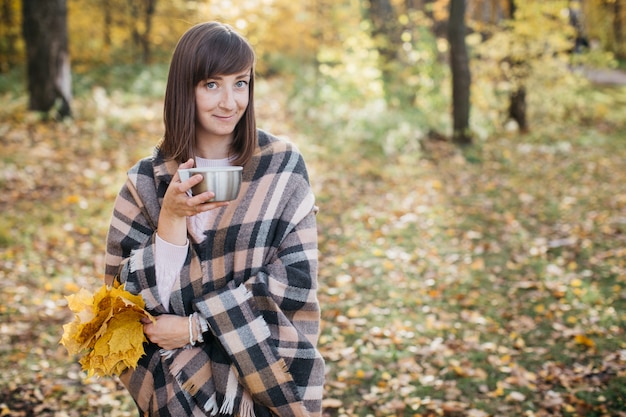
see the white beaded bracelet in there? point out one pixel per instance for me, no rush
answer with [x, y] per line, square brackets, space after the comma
[191, 341]
[200, 338]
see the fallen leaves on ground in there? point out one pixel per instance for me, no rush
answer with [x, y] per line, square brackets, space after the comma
[486, 282]
[489, 282]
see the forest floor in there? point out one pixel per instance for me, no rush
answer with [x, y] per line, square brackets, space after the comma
[489, 281]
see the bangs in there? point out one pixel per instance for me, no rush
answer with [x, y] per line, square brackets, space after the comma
[225, 54]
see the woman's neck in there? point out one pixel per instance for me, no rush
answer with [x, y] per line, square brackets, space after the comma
[213, 149]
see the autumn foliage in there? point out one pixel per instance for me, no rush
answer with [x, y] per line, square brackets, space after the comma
[107, 329]
[479, 282]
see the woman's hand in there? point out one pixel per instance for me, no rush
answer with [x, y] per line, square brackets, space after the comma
[169, 331]
[178, 205]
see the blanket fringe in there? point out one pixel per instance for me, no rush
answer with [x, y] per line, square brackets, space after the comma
[167, 354]
[211, 405]
[246, 409]
[176, 370]
[231, 393]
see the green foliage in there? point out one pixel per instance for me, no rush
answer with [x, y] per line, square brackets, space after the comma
[344, 96]
[13, 82]
[420, 72]
[538, 35]
[94, 41]
[11, 43]
[533, 51]
[594, 58]
[602, 18]
[130, 80]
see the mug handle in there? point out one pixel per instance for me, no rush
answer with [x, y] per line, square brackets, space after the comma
[183, 174]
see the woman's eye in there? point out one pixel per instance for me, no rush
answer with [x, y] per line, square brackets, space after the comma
[210, 84]
[241, 84]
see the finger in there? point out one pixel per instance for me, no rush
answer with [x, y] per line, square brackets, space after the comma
[212, 206]
[185, 165]
[217, 204]
[204, 202]
[201, 198]
[187, 185]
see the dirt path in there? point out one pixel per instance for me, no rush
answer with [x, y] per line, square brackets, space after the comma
[605, 76]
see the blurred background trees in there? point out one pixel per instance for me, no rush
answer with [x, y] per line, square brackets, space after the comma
[364, 54]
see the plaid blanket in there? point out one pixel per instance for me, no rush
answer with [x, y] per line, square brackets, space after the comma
[252, 275]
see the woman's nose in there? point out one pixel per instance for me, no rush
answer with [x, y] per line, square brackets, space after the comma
[227, 100]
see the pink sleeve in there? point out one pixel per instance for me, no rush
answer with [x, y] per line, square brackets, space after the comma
[168, 259]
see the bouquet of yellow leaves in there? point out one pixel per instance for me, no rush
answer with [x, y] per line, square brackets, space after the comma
[106, 329]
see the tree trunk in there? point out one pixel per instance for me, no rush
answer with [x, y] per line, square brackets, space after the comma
[142, 11]
[517, 108]
[512, 8]
[134, 18]
[48, 62]
[108, 23]
[384, 32]
[145, 39]
[617, 29]
[461, 77]
[517, 98]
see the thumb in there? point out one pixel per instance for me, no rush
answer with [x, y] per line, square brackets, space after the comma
[185, 165]
[188, 164]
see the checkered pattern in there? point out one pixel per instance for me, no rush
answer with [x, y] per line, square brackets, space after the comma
[252, 275]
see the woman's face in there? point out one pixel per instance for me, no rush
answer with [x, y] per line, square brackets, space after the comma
[220, 103]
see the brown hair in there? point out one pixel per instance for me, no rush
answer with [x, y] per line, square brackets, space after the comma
[204, 51]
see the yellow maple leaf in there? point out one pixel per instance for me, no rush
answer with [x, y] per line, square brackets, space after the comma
[581, 339]
[81, 305]
[80, 301]
[68, 340]
[107, 329]
[120, 346]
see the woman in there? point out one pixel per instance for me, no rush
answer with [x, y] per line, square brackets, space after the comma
[232, 285]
